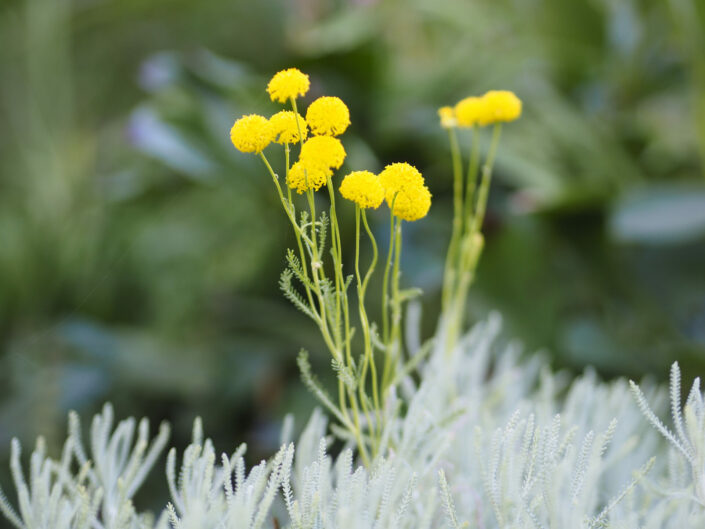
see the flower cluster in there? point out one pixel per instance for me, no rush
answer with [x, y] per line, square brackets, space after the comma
[321, 291]
[496, 106]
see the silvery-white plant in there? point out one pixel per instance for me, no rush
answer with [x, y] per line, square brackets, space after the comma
[208, 494]
[688, 441]
[98, 495]
[488, 441]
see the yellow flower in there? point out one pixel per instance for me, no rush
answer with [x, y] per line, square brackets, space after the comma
[412, 203]
[447, 115]
[498, 106]
[328, 116]
[285, 127]
[304, 176]
[363, 188]
[404, 187]
[325, 151]
[288, 84]
[251, 133]
[399, 176]
[468, 111]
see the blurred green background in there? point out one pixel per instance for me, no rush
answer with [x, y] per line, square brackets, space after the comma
[139, 252]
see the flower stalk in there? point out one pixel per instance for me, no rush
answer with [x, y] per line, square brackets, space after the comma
[315, 281]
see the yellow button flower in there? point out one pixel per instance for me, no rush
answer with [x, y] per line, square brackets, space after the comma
[285, 127]
[404, 187]
[288, 84]
[468, 111]
[363, 188]
[412, 203]
[251, 133]
[304, 176]
[328, 116]
[325, 151]
[447, 116]
[499, 106]
[399, 176]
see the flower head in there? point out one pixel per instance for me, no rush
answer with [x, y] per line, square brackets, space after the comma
[468, 111]
[288, 84]
[399, 176]
[412, 203]
[447, 116]
[324, 151]
[499, 106]
[363, 188]
[286, 126]
[303, 176]
[405, 191]
[328, 116]
[251, 133]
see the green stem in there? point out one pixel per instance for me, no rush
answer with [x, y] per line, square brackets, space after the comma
[393, 345]
[302, 253]
[288, 211]
[473, 242]
[368, 275]
[451, 257]
[385, 278]
[396, 301]
[472, 175]
[317, 266]
[365, 330]
[484, 191]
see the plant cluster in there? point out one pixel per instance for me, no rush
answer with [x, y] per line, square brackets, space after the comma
[477, 438]
[322, 289]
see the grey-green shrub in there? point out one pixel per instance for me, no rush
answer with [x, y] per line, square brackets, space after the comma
[488, 441]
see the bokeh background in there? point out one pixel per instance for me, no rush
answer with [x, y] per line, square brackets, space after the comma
[139, 252]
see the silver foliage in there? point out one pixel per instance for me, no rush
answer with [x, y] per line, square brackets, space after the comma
[488, 441]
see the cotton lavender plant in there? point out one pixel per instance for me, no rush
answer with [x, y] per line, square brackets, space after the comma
[455, 431]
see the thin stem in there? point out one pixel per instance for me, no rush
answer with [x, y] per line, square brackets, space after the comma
[316, 266]
[452, 255]
[372, 364]
[473, 242]
[365, 329]
[288, 211]
[472, 174]
[375, 253]
[296, 118]
[396, 301]
[302, 253]
[393, 344]
[486, 178]
[385, 278]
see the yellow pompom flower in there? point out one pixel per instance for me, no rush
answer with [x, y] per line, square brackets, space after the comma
[251, 133]
[411, 203]
[447, 116]
[304, 176]
[404, 187]
[363, 188]
[399, 176]
[328, 116]
[285, 127]
[499, 106]
[469, 111]
[324, 151]
[288, 84]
